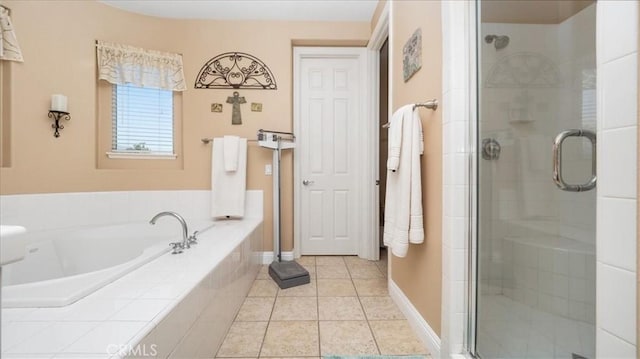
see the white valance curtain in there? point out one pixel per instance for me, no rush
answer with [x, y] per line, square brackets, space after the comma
[9, 48]
[123, 64]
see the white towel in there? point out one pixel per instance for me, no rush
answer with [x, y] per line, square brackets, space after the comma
[403, 200]
[231, 153]
[395, 140]
[228, 188]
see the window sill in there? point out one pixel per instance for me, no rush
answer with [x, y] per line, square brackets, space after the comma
[141, 155]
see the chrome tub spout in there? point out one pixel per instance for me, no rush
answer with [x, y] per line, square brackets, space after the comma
[187, 240]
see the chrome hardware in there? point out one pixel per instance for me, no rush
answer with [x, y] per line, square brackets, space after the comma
[430, 104]
[501, 41]
[557, 161]
[307, 182]
[177, 247]
[193, 239]
[490, 149]
[377, 182]
[185, 232]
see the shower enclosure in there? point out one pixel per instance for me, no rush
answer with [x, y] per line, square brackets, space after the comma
[536, 200]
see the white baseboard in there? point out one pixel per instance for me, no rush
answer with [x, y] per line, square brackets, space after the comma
[422, 329]
[268, 257]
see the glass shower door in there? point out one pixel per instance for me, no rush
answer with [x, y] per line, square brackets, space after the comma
[536, 180]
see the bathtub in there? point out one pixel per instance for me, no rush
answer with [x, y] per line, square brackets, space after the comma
[63, 266]
[174, 306]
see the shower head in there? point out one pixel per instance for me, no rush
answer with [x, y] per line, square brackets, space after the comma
[499, 41]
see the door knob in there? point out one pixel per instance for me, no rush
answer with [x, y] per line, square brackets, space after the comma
[307, 182]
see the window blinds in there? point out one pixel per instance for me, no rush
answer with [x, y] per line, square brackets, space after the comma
[142, 119]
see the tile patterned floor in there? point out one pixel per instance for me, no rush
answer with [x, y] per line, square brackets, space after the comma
[345, 310]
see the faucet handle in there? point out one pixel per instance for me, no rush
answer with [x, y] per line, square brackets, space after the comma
[192, 238]
[177, 247]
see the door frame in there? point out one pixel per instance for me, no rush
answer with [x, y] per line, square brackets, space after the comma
[364, 167]
[379, 35]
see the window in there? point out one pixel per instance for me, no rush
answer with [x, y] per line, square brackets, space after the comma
[142, 121]
[139, 105]
[109, 156]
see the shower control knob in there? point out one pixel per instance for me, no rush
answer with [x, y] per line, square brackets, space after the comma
[307, 182]
[490, 149]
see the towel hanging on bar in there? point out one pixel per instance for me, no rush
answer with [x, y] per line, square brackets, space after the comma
[430, 104]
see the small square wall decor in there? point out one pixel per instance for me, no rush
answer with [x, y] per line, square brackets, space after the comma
[256, 107]
[216, 107]
[412, 55]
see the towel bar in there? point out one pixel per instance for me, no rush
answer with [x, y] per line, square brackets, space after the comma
[207, 141]
[430, 104]
[291, 137]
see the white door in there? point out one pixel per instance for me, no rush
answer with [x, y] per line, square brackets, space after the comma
[329, 120]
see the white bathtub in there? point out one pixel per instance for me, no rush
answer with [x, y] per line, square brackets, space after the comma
[175, 306]
[63, 266]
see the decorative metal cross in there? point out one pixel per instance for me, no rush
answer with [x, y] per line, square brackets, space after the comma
[236, 101]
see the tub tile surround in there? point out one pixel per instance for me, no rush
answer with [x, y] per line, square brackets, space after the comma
[164, 308]
[53, 211]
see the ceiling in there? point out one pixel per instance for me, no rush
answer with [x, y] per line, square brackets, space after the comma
[296, 10]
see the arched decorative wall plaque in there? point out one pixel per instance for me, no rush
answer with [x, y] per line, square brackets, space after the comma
[235, 70]
[524, 70]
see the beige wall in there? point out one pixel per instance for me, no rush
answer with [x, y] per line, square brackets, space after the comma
[377, 13]
[5, 124]
[531, 11]
[419, 275]
[57, 39]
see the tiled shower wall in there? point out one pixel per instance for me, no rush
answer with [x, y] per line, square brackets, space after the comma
[617, 178]
[538, 243]
[617, 32]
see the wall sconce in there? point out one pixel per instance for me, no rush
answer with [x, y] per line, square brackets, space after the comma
[58, 112]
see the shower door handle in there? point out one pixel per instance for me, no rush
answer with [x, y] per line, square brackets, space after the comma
[557, 161]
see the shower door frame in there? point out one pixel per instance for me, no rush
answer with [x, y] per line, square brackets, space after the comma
[459, 150]
[473, 184]
[474, 181]
[459, 197]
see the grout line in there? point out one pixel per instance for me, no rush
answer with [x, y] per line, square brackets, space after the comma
[628, 53]
[366, 318]
[616, 267]
[315, 269]
[264, 336]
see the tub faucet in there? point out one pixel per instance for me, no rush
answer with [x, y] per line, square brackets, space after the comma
[187, 240]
